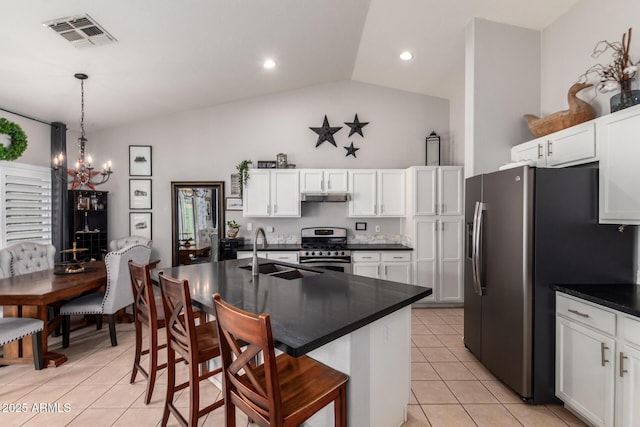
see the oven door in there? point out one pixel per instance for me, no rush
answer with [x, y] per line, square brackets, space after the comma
[342, 266]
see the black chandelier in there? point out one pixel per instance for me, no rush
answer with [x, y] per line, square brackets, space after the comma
[84, 174]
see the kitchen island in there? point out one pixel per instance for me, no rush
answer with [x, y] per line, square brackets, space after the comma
[358, 325]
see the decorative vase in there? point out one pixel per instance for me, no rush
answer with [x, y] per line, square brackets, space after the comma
[232, 232]
[626, 98]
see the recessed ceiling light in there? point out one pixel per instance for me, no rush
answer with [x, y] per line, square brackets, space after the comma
[406, 55]
[269, 64]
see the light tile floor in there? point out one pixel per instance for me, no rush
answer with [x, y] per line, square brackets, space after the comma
[449, 386]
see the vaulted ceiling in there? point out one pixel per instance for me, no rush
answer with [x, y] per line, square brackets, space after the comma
[172, 56]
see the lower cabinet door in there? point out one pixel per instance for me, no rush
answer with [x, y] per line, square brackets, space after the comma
[367, 269]
[629, 371]
[397, 272]
[585, 374]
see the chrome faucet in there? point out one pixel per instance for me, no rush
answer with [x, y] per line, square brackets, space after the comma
[254, 263]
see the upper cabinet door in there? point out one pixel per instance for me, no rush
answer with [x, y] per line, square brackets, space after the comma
[256, 194]
[425, 190]
[285, 193]
[311, 181]
[571, 146]
[336, 181]
[363, 201]
[391, 192]
[618, 138]
[534, 151]
[450, 190]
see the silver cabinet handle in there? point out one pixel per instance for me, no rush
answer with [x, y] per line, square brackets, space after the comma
[435, 208]
[275, 208]
[539, 151]
[622, 370]
[603, 347]
[397, 257]
[570, 310]
[366, 257]
[549, 151]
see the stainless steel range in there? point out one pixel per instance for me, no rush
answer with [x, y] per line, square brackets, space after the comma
[325, 247]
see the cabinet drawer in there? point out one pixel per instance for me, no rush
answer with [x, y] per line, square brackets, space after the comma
[585, 313]
[396, 256]
[631, 328]
[365, 256]
[291, 257]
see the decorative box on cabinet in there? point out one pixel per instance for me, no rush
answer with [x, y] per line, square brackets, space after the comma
[88, 222]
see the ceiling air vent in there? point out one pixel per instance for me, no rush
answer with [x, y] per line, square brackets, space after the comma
[80, 31]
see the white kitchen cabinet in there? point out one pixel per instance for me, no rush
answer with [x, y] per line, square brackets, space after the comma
[323, 181]
[585, 375]
[568, 147]
[272, 193]
[598, 362]
[387, 265]
[438, 257]
[283, 256]
[435, 190]
[377, 193]
[618, 136]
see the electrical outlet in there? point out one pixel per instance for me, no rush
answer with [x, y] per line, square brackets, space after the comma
[270, 229]
[377, 228]
[249, 226]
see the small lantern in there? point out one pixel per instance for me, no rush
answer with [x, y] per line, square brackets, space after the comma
[281, 161]
[433, 149]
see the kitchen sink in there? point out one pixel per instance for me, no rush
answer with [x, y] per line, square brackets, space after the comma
[282, 271]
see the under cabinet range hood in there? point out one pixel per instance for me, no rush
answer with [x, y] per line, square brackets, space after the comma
[324, 197]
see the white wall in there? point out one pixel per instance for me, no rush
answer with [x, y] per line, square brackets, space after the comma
[567, 45]
[503, 76]
[207, 144]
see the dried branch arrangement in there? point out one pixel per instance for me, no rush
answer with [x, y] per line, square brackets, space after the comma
[621, 70]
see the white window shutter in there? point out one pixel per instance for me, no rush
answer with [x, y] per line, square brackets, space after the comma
[25, 203]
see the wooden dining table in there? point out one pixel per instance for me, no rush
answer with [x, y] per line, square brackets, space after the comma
[28, 295]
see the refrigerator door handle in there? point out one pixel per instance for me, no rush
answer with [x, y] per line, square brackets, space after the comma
[475, 253]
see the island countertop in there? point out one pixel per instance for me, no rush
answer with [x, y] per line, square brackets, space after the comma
[306, 313]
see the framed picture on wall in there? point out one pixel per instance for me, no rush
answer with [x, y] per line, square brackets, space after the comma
[140, 224]
[140, 160]
[139, 194]
[233, 204]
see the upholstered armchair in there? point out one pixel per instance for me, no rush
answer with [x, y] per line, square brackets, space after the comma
[14, 328]
[27, 257]
[5, 264]
[123, 242]
[117, 293]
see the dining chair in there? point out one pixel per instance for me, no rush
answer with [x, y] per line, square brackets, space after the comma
[27, 257]
[196, 344]
[123, 242]
[5, 264]
[117, 293]
[15, 328]
[148, 316]
[283, 390]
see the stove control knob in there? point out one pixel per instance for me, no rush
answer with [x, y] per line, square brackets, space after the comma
[342, 253]
[319, 253]
[313, 253]
[306, 253]
[336, 253]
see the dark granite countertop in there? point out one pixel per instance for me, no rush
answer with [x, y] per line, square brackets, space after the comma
[358, 247]
[621, 297]
[306, 313]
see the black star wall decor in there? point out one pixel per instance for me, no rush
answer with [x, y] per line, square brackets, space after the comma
[325, 133]
[351, 150]
[356, 126]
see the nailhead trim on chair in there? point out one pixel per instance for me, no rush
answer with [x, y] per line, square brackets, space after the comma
[15, 328]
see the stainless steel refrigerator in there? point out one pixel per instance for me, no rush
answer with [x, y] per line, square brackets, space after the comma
[527, 229]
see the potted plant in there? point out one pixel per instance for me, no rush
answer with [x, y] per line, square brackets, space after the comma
[234, 227]
[243, 171]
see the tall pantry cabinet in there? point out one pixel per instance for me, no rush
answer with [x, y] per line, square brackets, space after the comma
[435, 223]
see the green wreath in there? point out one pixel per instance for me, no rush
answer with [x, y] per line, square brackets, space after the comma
[18, 140]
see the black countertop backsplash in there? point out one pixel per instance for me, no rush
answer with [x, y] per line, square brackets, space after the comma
[624, 298]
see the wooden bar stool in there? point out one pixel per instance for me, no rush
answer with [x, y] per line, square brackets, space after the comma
[284, 390]
[149, 316]
[196, 344]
